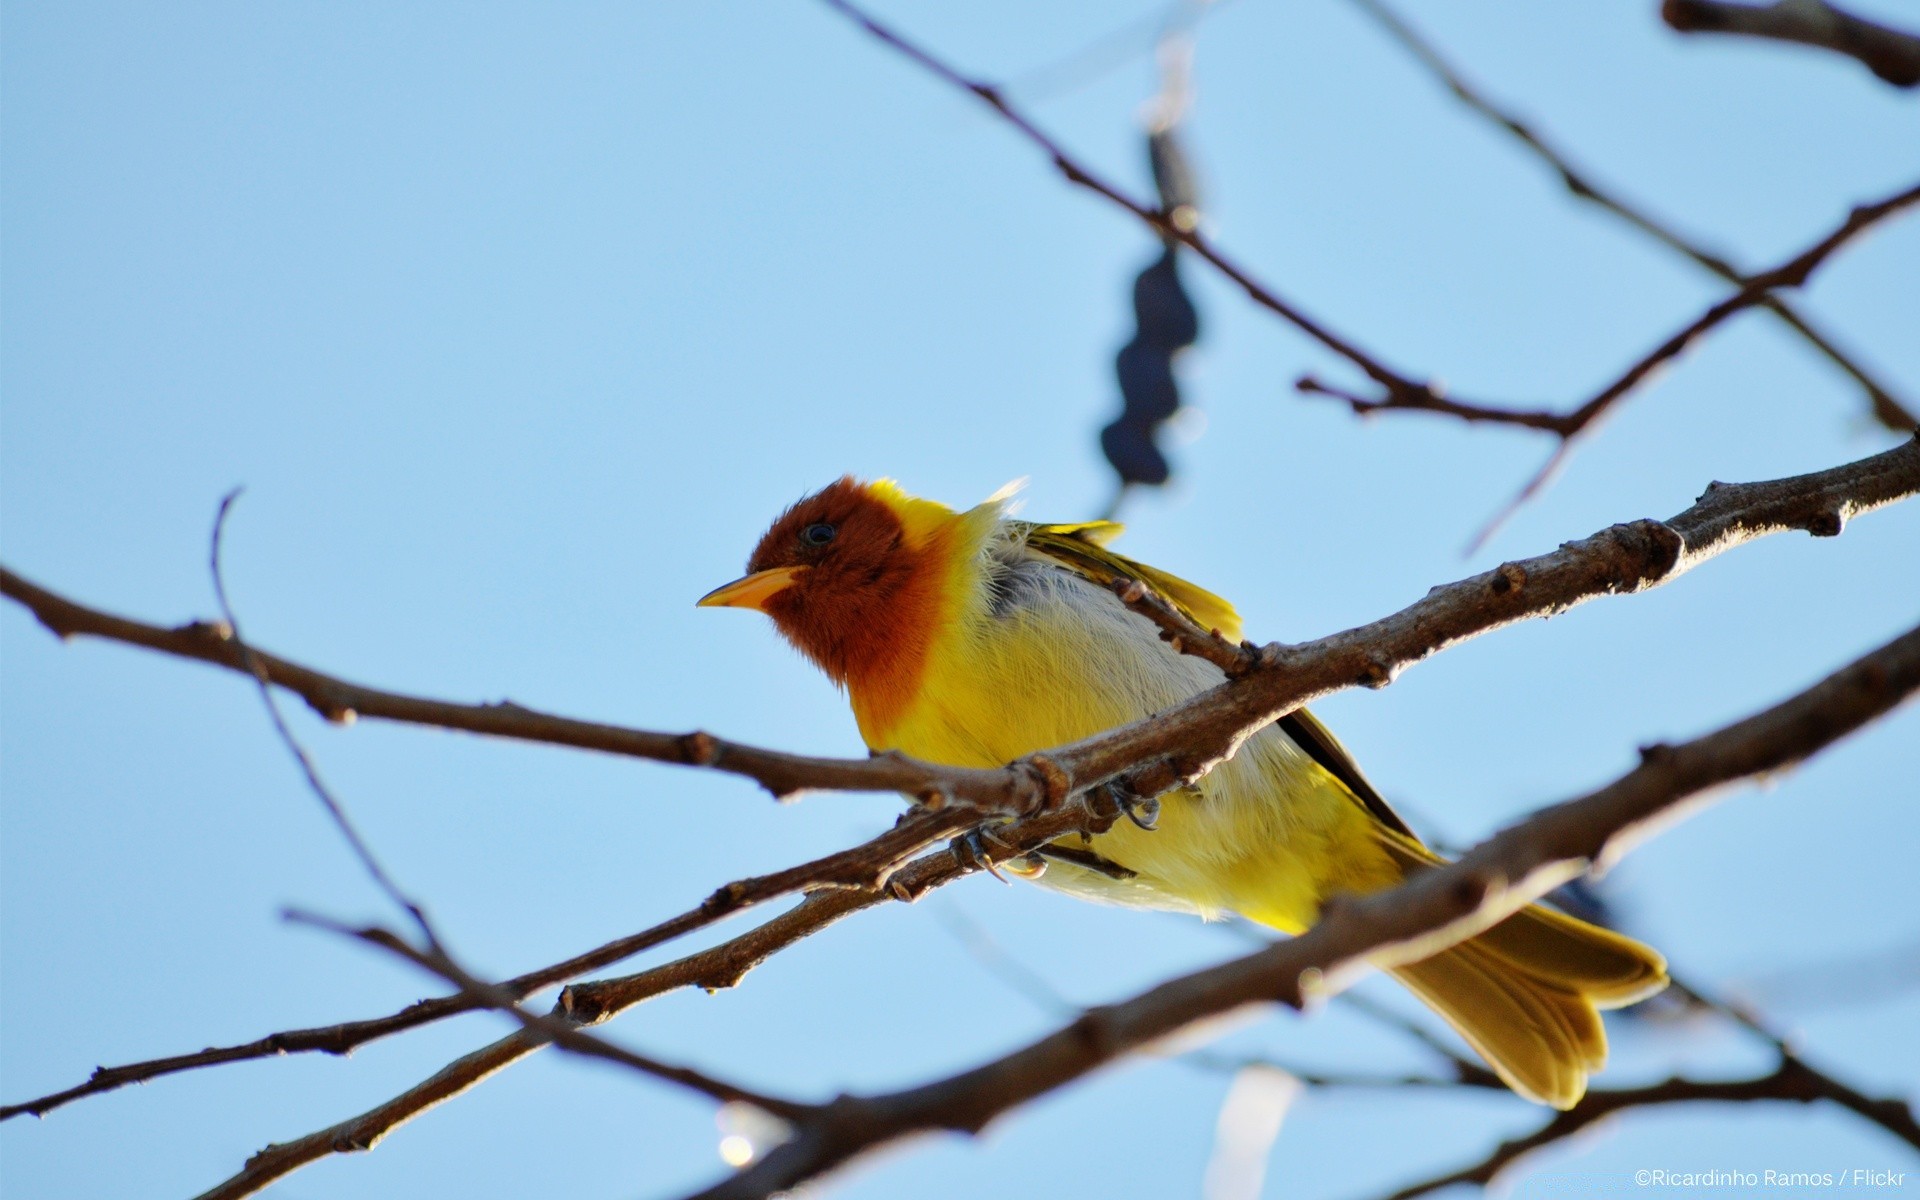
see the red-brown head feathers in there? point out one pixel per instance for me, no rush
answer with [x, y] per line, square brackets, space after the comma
[866, 595]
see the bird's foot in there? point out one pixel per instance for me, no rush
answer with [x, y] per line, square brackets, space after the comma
[1143, 811]
[980, 848]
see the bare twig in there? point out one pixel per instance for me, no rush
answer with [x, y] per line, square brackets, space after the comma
[722, 966]
[1181, 633]
[867, 867]
[549, 1028]
[1409, 922]
[1792, 273]
[1886, 408]
[1892, 54]
[1792, 1081]
[264, 680]
[1077, 173]
[1397, 391]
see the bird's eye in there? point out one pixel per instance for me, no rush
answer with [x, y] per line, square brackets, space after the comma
[818, 535]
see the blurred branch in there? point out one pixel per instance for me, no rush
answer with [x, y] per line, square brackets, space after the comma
[1397, 391]
[1855, 979]
[1884, 406]
[1792, 1081]
[1163, 223]
[866, 867]
[1411, 921]
[1892, 54]
[1170, 748]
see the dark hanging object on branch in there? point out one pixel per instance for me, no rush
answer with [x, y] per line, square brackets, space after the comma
[1167, 324]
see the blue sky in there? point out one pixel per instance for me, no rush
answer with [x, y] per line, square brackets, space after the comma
[518, 324]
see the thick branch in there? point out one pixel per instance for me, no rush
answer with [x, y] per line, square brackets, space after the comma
[1432, 910]
[1892, 54]
[1885, 407]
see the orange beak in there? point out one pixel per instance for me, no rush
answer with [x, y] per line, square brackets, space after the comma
[753, 591]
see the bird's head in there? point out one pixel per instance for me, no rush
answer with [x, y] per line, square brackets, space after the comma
[852, 576]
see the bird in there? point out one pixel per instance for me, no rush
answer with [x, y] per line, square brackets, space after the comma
[969, 638]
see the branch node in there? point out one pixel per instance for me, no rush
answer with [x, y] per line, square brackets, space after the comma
[1828, 523]
[1054, 785]
[1509, 578]
[1376, 674]
[1655, 754]
[700, 748]
[216, 632]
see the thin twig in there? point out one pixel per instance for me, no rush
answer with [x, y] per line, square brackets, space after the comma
[1792, 273]
[257, 668]
[1078, 173]
[1792, 1082]
[1885, 407]
[584, 1004]
[1398, 391]
[867, 866]
[544, 1026]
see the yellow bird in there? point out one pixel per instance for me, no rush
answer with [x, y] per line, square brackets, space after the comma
[972, 639]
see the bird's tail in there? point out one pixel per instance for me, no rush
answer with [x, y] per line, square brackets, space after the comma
[1525, 994]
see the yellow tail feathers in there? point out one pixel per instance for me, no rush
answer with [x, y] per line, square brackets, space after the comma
[1526, 993]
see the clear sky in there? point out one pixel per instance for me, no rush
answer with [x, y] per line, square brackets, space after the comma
[519, 323]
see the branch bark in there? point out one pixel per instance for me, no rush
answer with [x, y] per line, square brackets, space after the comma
[1431, 911]
[1892, 54]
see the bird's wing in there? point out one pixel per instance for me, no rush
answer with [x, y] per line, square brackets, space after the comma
[1082, 549]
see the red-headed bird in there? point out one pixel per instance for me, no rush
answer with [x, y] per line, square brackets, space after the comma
[972, 639]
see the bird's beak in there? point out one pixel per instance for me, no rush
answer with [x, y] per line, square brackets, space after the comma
[753, 591]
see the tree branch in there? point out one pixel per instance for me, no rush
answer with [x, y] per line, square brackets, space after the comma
[550, 1029]
[1792, 1081]
[1577, 421]
[1169, 748]
[585, 1004]
[1885, 407]
[1162, 223]
[866, 867]
[1397, 391]
[1432, 910]
[1180, 743]
[1892, 54]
